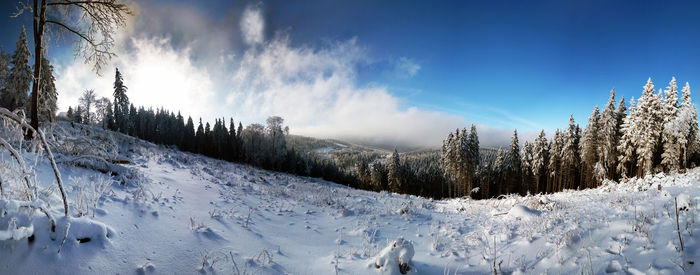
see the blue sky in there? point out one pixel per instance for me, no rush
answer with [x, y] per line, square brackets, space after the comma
[499, 64]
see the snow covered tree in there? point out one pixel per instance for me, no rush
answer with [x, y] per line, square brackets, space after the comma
[378, 176]
[103, 107]
[570, 156]
[48, 95]
[609, 136]
[500, 168]
[447, 158]
[473, 158]
[121, 103]
[108, 121]
[628, 142]
[20, 77]
[78, 115]
[554, 165]
[648, 121]
[526, 162]
[87, 101]
[513, 166]
[590, 146]
[670, 158]
[278, 146]
[394, 173]
[94, 22]
[688, 114]
[540, 159]
[69, 113]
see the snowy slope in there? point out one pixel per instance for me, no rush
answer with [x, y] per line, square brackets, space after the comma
[181, 212]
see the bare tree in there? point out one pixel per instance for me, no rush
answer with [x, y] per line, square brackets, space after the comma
[94, 22]
[87, 100]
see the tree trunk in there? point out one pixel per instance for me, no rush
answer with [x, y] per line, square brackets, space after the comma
[39, 20]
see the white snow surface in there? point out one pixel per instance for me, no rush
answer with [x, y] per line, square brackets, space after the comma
[184, 214]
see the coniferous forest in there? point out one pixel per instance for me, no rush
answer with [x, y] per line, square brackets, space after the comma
[658, 132]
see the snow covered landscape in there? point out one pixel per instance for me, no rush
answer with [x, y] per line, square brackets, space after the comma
[174, 212]
[349, 137]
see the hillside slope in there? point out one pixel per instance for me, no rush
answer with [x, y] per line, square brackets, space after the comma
[182, 213]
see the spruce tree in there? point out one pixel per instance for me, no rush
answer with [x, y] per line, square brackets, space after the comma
[70, 114]
[628, 141]
[554, 165]
[513, 166]
[540, 159]
[20, 75]
[473, 156]
[609, 136]
[649, 132]
[47, 92]
[570, 155]
[670, 158]
[526, 162]
[590, 148]
[394, 174]
[121, 103]
[687, 107]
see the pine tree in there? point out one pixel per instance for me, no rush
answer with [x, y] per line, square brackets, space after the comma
[189, 142]
[20, 75]
[500, 169]
[394, 173]
[609, 136]
[121, 103]
[47, 92]
[570, 155]
[526, 160]
[628, 141]
[554, 166]
[540, 159]
[689, 115]
[590, 148]
[473, 156]
[232, 143]
[513, 166]
[670, 158]
[70, 114]
[446, 162]
[78, 116]
[199, 138]
[109, 115]
[649, 123]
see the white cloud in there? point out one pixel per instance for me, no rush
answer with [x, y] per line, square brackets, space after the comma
[406, 67]
[156, 75]
[252, 26]
[315, 90]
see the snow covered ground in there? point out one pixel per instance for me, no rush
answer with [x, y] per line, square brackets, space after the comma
[181, 213]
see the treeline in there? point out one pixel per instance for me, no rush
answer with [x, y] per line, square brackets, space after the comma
[264, 146]
[657, 133]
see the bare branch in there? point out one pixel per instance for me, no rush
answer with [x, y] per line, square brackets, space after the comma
[20, 10]
[72, 30]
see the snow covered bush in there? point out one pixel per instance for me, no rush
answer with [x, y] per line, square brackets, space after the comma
[396, 258]
[12, 139]
[88, 192]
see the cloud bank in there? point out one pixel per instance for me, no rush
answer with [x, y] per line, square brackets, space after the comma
[314, 88]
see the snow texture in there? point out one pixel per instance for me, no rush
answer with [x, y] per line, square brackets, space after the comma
[169, 212]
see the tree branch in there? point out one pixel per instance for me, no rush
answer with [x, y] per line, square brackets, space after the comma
[73, 31]
[68, 3]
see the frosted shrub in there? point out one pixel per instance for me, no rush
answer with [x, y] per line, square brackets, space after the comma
[88, 192]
